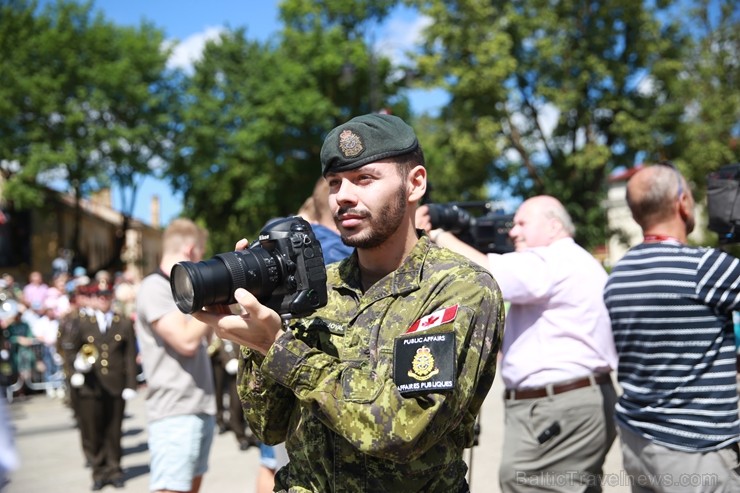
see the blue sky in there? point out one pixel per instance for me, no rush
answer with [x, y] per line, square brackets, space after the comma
[190, 23]
[185, 18]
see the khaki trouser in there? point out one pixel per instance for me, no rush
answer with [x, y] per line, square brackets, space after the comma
[571, 460]
[650, 467]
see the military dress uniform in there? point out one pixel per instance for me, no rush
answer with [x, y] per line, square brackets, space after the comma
[379, 391]
[101, 406]
[67, 349]
[66, 346]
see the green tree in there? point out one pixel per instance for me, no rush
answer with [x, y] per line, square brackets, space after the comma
[710, 85]
[81, 102]
[139, 134]
[257, 113]
[550, 97]
[23, 86]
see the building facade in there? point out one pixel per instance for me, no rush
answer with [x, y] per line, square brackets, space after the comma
[30, 240]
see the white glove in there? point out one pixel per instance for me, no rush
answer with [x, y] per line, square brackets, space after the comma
[232, 366]
[77, 380]
[82, 365]
[128, 394]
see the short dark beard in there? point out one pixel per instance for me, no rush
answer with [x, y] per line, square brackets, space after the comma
[390, 218]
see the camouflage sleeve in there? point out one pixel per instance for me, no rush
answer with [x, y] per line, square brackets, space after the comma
[363, 404]
[267, 405]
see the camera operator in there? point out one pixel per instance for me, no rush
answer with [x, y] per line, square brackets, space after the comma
[558, 351]
[671, 310]
[379, 389]
[181, 404]
[315, 210]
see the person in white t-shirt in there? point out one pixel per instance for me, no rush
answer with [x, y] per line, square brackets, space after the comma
[180, 388]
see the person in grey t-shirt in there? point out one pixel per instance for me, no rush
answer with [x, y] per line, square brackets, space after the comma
[180, 398]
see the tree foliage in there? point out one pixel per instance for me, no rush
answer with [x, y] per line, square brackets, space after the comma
[550, 97]
[545, 97]
[256, 113]
[82, 103]
[710, 88]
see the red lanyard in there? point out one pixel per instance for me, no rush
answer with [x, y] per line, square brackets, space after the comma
[659, 238]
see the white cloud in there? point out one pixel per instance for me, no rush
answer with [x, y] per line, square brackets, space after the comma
[547, 117]
[190, 50]
[646, 86]
[400, 36]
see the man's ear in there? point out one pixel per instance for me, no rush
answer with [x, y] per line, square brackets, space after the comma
[187, 249]
[417, 183]
[684, 206]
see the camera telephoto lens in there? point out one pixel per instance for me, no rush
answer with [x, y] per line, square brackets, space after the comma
[284, 270]
[213, 282]
[449, 217]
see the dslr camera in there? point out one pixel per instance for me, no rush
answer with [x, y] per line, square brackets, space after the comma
[723, 203]
[284, 270]
[487, 232]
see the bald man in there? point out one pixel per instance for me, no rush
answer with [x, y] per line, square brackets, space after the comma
[558, 352]
[671, 310]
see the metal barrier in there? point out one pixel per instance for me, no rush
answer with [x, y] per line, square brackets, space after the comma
[32, 373]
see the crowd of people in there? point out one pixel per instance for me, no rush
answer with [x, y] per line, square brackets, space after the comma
[380, 389]
[74, 339]
[31, 316]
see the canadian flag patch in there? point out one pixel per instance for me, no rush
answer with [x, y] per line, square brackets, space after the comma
[435, 319]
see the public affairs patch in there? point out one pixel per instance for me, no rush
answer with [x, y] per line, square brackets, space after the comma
[424, 363]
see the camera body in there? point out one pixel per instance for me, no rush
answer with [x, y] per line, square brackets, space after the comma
[284, 270]
[723, 203]
[487, 232]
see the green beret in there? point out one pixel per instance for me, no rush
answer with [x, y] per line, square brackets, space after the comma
[366, 139]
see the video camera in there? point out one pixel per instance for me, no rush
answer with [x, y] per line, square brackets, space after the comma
[723, 203]
[284, 270]
[487, 232]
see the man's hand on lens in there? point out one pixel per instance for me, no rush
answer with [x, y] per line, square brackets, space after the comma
[256, 327]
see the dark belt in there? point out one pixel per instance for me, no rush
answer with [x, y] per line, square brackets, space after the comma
[558, 388]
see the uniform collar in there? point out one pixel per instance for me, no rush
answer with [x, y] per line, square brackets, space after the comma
[403, 280]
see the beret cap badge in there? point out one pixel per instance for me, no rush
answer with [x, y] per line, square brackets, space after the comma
[350, 144]
[366, 139]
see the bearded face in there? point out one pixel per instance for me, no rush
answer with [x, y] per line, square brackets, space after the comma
[379, 226]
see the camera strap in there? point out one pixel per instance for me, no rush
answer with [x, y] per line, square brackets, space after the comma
[160, 272]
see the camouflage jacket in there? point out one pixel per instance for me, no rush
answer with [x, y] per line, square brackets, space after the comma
[379, 391]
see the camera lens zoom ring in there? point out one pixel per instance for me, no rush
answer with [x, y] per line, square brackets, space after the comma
[236, 269]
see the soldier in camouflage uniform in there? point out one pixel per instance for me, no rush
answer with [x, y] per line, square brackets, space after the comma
[379, 390]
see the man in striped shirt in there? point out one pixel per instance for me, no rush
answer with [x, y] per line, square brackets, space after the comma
[671, 310]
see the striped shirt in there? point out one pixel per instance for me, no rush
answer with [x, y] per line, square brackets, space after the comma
[671, 310]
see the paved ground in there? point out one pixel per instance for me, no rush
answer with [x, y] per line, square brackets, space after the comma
[51, 458]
